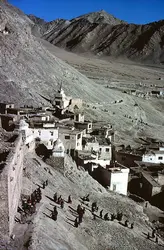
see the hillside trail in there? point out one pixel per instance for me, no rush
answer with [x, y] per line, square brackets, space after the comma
[46, 234]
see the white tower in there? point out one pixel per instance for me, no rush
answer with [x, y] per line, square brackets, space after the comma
[58, 149]
[23, 125]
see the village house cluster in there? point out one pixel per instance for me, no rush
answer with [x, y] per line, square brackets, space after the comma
[146, 164]
[62, 129]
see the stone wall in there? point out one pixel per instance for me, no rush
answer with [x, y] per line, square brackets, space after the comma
[4, 207]
[10, 186]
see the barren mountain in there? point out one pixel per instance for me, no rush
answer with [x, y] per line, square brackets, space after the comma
[103, 34]
[99, 17]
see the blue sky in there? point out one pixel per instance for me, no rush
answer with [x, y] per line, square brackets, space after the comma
[132, 11]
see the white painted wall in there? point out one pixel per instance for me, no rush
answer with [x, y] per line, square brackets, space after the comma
[47, 136]
[119, 181]
[58, 149]
[104, 154]
[154, 158]
[92, 146]
[73, 142]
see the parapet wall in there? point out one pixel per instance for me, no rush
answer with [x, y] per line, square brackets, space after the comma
[4, 207]
[10, 186]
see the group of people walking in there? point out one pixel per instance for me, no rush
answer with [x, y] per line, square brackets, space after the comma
[117, 216]
[80, 211]
[153, 235]
[59, 200]
[36, 197]
[29, 204]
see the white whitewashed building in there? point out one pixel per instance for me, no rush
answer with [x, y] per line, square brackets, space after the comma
[47, 133]
[119, 179]
[154, 156]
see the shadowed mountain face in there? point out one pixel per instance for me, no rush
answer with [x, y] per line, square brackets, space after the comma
[103, 34]
[28, 72]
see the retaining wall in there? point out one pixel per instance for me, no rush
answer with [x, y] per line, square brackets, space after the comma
[10, 186]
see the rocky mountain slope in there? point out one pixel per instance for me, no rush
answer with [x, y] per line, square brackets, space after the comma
[28, 71]
[103, 34]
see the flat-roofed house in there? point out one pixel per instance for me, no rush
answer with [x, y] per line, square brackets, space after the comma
[119, 178]
[150, 186]
[154, 156]
[71, 138]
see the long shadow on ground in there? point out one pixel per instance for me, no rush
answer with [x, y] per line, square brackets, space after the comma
[49, 198]
[47, 215]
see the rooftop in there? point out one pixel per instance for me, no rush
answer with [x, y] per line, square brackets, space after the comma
[149, 164]
[70, 131]
[115, 167]
[103, 141]
[155, 152]
[43, 125]
[150, 179]
[86, 155]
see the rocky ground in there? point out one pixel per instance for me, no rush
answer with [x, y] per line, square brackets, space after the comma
[44, 233]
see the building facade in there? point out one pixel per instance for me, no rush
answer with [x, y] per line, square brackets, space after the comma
[154, 156]
[119, 179]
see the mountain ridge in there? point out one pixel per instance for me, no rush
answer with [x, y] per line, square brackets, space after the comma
[102, 34]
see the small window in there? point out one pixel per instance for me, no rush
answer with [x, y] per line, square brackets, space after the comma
[107, 149]
[79, 136]
[114, 187]
[89, 125]
[150, 159]
[39, 132]
[51, 142]
[160, 158]
[67, 137]
[77, 144]
[52, 133]
[100, 149]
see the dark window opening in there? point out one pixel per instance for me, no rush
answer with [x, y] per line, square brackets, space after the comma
[67, 137]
